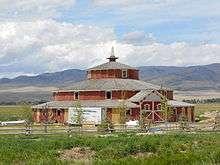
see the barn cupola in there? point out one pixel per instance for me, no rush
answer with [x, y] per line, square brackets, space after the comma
[112, 58]
[112, 69]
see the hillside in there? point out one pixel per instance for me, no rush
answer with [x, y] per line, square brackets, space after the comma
[205, 77]
[35, 88]
[180, 78]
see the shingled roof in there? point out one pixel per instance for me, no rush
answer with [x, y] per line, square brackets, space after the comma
[140, 95]
[110, 84]
[86, 103]
[174, 103]
[112, 65]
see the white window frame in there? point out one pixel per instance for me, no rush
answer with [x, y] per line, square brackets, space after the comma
[106, 95]
[89, 75]
[122, 73]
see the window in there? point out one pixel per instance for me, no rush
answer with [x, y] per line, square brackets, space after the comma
[58, 113]
[89, 75]
[159, 107]
[128, 112]
[124, 73]
[146, 107]
[76, 95]
[108, 95]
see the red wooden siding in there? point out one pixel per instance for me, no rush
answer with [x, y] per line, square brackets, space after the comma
[167, 93]
[112, 73]
[63, 96]
[135, 114]
[92, 95]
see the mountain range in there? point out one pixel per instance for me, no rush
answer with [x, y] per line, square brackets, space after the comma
[202, 77]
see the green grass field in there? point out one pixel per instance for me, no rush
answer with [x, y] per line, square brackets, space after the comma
[11, 113]
[123, 149]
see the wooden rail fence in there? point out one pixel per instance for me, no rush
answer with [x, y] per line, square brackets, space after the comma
[90, 128]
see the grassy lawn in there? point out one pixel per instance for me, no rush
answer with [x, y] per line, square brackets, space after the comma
[121, 149]
[11, 113]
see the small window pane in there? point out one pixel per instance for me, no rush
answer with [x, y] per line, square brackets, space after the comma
[124, 74]
[146, 107]
[76, 95]
[158, 107]
[108, 95]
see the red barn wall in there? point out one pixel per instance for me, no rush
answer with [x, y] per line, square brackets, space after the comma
[112, 73]
[167, 93]
[63, 96]
[135, 114]
[92, 95]
[170, 95]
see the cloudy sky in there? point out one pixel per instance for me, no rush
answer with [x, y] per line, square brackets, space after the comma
[38, 36]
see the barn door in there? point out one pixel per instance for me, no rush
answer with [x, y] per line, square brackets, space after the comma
[115, 116]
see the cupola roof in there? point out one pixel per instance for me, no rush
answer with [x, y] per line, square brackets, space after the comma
[112, 64]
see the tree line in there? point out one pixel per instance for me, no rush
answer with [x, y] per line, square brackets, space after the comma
[21, 102]
[202, 101]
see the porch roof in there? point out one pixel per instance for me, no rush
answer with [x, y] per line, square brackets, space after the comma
[174, 103]
[86, 103]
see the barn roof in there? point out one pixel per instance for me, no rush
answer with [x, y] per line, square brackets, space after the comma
[86, 103]
[151, 95]
[174, 103]
[112, 65]
[110, 84]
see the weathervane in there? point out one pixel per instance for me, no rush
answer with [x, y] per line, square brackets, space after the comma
[112, 58]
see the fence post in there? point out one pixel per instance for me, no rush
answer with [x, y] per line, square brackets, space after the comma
[28, 129]
[45, 127]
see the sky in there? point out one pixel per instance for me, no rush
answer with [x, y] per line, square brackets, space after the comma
[38, 36]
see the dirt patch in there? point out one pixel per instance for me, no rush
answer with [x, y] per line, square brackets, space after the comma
[77, 154]
[142, 154]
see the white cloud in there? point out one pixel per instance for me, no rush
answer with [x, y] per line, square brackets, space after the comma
[30, 9]
[176, 54]
[47, 45]
[42, 46]
[138, 38]
[129, 3]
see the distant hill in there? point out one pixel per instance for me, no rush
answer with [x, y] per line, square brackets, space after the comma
[203, 77]
[57, 79]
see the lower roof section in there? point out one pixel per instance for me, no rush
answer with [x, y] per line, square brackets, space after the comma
[174, 103]
[86, 103]
[110, 84]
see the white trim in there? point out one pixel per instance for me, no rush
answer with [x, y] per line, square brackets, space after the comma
[122, 73]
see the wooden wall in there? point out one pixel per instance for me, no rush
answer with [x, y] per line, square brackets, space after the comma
[92, 95]
[112, 73]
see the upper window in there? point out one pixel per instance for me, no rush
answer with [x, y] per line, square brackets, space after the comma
[146, 107]
[124, 73]
[159, 107]
[89, 75]
[76, 95]
[108, 95]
